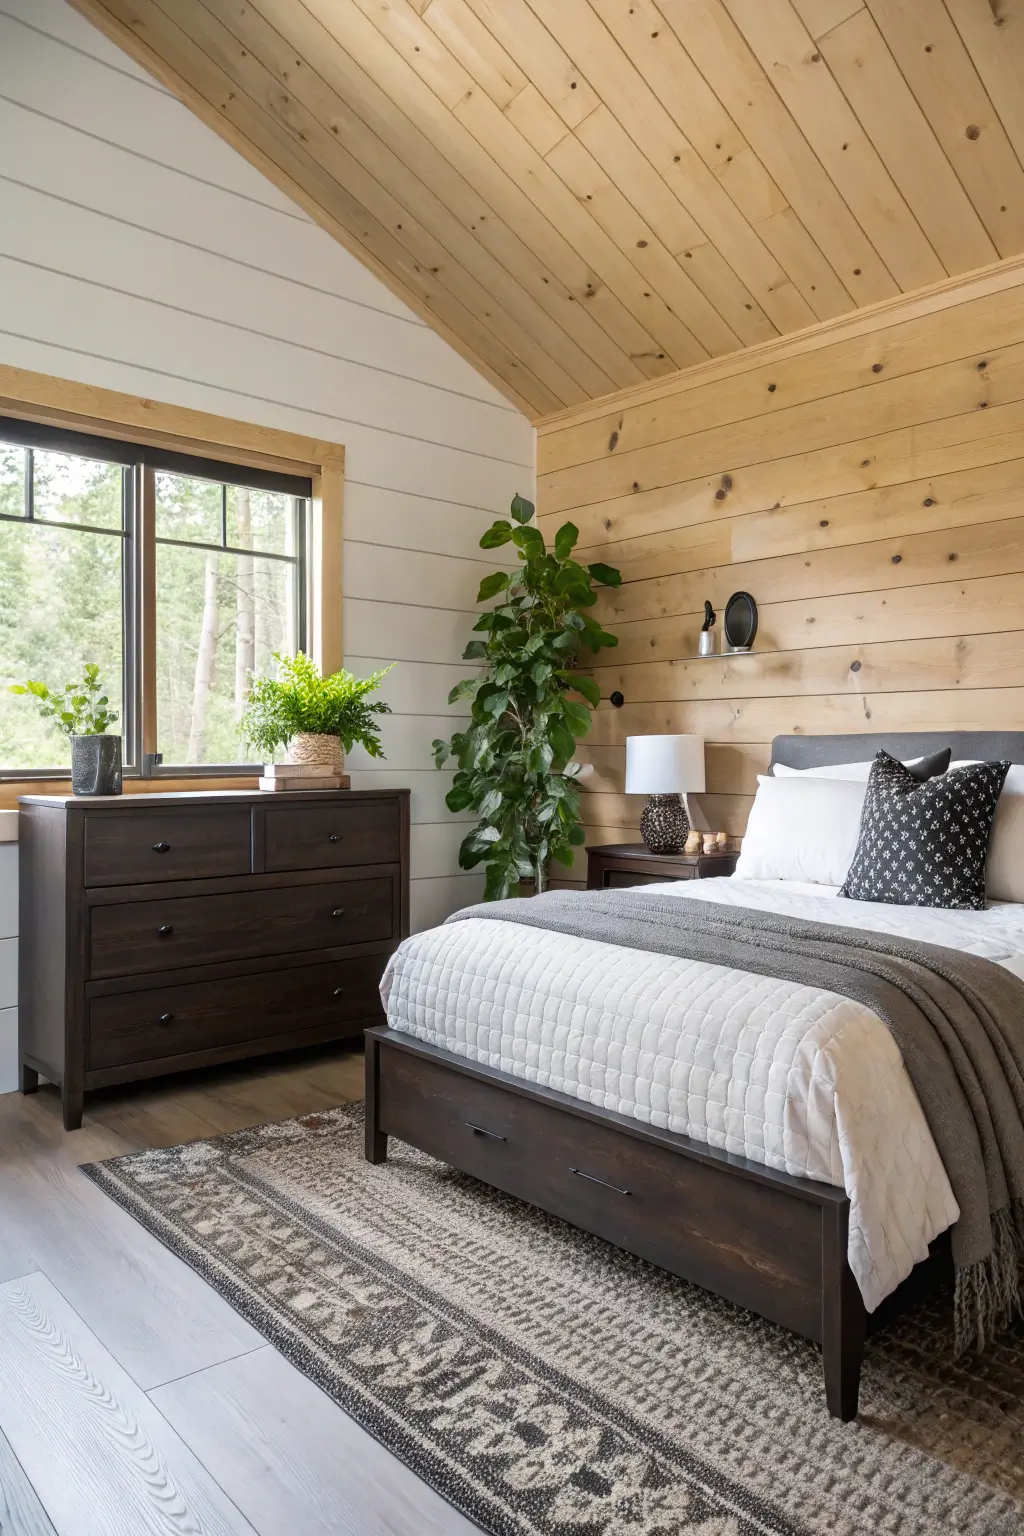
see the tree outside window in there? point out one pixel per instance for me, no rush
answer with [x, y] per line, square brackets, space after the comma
[231, 572]
[227, 558]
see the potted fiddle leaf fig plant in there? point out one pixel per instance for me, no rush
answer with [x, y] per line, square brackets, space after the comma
[314, 717]
[528, 705]
[82, 712]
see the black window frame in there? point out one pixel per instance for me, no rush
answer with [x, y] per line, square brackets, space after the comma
[136, 459]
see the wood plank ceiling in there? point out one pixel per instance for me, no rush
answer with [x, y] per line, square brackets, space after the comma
[585, 194]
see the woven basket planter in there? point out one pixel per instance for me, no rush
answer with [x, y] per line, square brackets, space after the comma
[309, 748]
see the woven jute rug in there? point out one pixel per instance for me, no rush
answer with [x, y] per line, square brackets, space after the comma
[544, 1382]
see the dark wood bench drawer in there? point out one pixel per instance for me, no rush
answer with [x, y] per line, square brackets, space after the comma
[205, 1015]
[172, 844]
[332, 834]
[640, 1196]
[126, 939]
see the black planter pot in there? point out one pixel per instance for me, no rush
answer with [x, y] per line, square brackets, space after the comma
[96, 765]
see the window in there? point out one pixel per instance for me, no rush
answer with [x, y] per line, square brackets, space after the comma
[230, 591]
[178, 575]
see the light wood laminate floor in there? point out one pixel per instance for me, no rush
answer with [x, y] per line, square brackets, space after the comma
[133, 1400]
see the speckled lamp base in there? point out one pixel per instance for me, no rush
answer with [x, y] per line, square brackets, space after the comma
[664, 823]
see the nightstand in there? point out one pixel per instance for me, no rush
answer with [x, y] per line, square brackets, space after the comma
[619, 864]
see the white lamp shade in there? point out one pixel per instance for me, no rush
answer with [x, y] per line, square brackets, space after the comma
[664, 765]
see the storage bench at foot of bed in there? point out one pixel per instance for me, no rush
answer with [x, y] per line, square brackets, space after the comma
[774, 1244]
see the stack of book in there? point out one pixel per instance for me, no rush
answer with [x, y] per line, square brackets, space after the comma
[278, 777]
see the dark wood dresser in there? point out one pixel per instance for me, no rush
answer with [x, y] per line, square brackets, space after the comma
[160, 932]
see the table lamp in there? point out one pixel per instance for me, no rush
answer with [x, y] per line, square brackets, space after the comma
[665, 768]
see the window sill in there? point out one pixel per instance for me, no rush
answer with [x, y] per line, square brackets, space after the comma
[10, 789]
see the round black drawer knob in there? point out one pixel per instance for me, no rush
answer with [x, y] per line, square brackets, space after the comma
[161, 847]
[334, 838]
[338, 912]
[165, 1018]
[165, 930]
[339, 991]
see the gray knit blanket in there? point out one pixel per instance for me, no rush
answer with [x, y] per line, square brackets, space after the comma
[957, 1019]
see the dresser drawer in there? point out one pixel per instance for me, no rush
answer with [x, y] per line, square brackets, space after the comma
[332, 834]
[128, 938]
[133, 847]
[207, 1015]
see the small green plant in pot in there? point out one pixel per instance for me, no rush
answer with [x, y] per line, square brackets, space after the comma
[528, 706]
[82, 712]
[314, 717]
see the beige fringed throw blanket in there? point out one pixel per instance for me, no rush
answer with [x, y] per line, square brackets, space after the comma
[957, 1019]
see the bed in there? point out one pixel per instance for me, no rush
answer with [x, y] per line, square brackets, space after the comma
[752, 1136]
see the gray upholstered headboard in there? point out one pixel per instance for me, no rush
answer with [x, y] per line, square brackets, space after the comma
[816, 751]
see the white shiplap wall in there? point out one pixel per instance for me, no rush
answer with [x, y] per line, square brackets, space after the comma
[139, 252]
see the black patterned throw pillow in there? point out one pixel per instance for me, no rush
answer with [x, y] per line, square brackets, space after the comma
[924, 845]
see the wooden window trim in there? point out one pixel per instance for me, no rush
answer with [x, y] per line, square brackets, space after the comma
[41, 397]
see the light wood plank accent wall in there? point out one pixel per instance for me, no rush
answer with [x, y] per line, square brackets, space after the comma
[865, 482]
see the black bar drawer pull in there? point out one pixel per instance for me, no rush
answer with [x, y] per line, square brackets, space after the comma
[480, 1130]
[165, 1018]
[592, 1179]
[161, 847]
[165, 930]
[338, 912]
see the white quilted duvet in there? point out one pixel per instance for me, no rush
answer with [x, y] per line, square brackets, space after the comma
[792, 1077]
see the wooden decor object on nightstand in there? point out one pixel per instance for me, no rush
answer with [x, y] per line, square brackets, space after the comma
[166, 931]
[618, 864]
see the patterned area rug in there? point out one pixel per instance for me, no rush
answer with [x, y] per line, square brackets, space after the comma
[547, 1384]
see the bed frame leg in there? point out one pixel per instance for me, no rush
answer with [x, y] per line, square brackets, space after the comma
[843, 1317]
[376, 1140]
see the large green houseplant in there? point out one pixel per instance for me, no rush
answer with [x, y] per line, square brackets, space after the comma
[529, 705]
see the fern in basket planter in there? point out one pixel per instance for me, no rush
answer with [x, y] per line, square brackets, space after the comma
[315, 717]
[528, 707]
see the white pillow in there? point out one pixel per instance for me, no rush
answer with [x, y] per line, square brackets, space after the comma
[1004, 868]
[802, 828]
[857, 772]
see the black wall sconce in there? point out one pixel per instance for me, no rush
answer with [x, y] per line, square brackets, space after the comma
[740, 621]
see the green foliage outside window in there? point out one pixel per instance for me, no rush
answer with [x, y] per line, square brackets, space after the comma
[514, 759]
[60, 592]
[221, 613]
